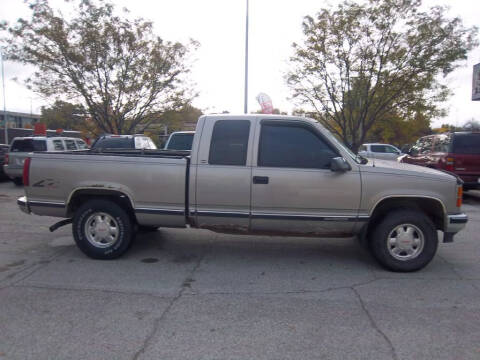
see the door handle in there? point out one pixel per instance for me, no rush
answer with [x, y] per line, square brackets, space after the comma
[260, 179]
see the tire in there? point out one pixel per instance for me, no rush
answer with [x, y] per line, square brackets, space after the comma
[18, 181]
[404, 240]
[111, 229]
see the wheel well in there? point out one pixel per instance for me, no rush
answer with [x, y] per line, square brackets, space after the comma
[431, 207]
[81, 196]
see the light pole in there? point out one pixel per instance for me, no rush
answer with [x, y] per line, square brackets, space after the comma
[245, 108]
[4, 103]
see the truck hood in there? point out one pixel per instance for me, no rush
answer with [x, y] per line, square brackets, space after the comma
[394, 167]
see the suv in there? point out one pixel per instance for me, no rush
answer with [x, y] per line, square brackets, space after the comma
[3, 151]
[379, 151]
[180, 140]
[457, 152]
[123, 142]
[22, 146]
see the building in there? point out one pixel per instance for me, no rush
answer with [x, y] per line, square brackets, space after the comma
[17, 119]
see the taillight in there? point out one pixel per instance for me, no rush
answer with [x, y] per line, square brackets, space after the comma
[26, 171]
[7, 159]
[459, 195]
[449, 163]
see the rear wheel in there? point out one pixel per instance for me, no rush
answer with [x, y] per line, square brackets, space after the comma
[404, 240]
[102, 229]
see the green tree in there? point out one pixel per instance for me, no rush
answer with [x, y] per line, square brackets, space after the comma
[63, 115]
[359, 63]
[117, 68]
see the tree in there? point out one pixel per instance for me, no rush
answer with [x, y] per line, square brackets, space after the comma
[63, 115]
[116, 68]
[360, 63]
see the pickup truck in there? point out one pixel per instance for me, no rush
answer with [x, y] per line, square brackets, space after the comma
[249, 174]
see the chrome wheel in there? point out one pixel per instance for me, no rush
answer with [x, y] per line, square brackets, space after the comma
[405, 242]
[101, 230]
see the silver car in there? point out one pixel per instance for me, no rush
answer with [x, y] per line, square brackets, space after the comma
[379, 151]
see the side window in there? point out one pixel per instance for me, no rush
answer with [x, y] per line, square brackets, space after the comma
[293, 146]
[391, 150]
[362, 148]
[442, 143]
[81, 145]
[378, 148]
[426, 145]
[70, 144]
[229, 142]
[58, 145]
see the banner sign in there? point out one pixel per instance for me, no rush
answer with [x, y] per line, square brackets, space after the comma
[266, 103]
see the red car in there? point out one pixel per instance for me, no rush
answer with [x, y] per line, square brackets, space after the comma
[457, 152]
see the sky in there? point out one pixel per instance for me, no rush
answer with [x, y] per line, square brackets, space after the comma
[218, 64]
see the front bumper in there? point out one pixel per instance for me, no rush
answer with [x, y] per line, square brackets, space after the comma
[456, 223]
[22, 203]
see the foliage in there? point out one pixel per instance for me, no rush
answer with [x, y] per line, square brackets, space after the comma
[116, 68]
[63, 115]
[361, 63]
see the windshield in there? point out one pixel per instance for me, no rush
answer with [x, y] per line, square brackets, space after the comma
[180, 142]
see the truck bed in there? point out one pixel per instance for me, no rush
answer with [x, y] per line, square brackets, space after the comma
[154, 182]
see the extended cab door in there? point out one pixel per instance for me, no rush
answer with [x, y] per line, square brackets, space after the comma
[223, 174]
[293, 188]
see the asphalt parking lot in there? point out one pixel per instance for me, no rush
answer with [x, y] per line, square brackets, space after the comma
[189, 294]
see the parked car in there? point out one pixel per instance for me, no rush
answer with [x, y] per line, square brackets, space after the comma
[249, 174]
[379, 151]
[22, 146]
[457, 152]
[3, 151]
[123, 142]
[180, 140]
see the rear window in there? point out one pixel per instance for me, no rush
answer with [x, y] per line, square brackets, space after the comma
[180, 142]
[28, 145]
[229, 142]
[114, 143]
[466, 144]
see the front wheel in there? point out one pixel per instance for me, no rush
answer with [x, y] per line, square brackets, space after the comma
[102, 229]
[404, 240]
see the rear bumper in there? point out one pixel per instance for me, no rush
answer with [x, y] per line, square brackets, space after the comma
[456, 223]
[22, 203]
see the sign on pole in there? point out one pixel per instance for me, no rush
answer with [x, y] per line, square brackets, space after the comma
[476, 83]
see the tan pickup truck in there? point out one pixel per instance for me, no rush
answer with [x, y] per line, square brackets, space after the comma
[249, 174]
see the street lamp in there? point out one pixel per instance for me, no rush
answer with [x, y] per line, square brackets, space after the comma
[4, 103]
[245, 108]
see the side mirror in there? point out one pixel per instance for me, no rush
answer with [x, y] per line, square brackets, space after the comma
[339, 164]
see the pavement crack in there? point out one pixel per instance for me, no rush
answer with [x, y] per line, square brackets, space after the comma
[34, 267]
[157, 322]
[451, 266]
[374, 324]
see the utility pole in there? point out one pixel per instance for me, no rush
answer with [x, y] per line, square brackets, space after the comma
[4, 103]
[245, 108]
